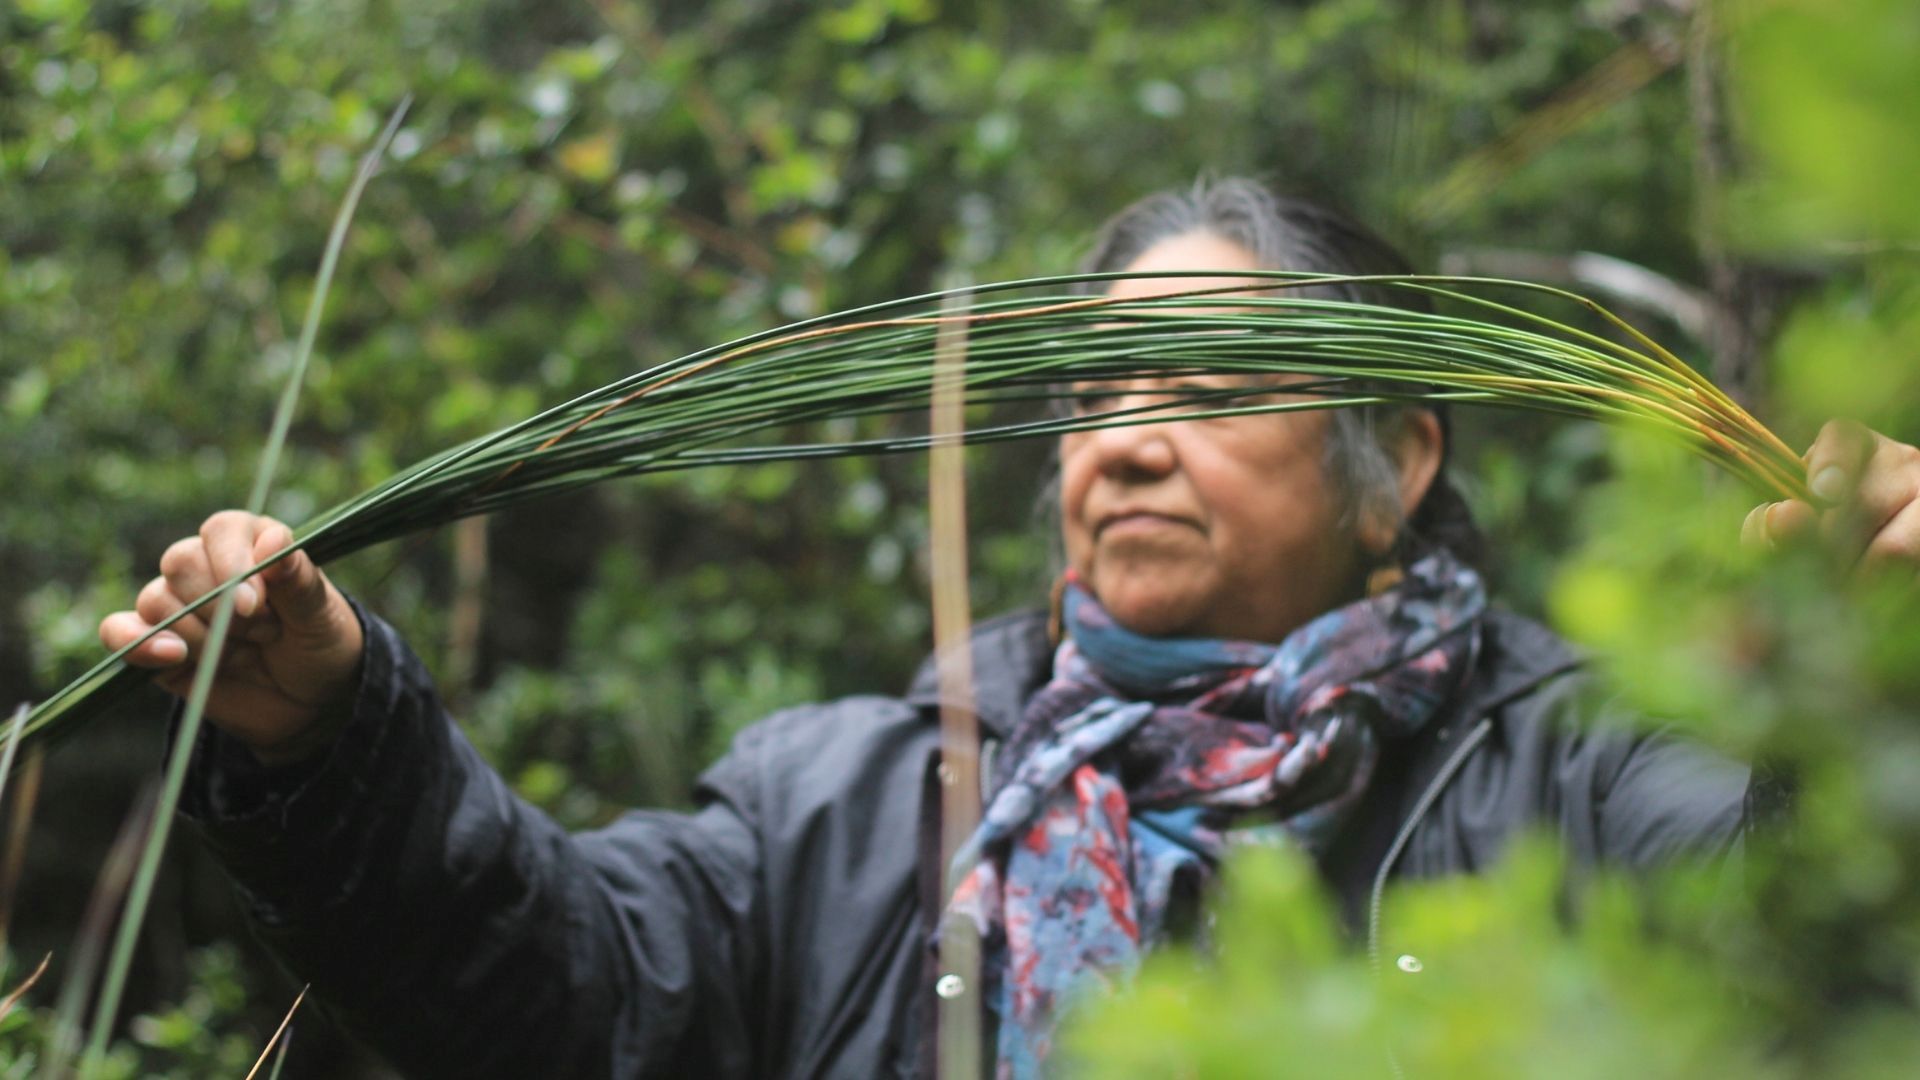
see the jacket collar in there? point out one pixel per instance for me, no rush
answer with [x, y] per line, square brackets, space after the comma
[1517, 654]
[1012, 658]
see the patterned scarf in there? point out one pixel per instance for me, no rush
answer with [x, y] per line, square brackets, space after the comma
[1117, 790]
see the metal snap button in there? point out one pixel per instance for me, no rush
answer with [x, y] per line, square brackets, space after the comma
[1410, 964]
[950, 986]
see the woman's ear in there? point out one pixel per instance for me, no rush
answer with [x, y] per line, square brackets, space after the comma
[1417, 447]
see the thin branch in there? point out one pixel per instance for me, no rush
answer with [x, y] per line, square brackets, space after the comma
[744, 250]
[467, 619]
[1688, 308]
[278, 1032]
[25, 798]
[731, 149]
[1613, 80]
[96, 924]
[7, 1003]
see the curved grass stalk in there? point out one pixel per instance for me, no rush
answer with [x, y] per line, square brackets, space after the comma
[140, 893]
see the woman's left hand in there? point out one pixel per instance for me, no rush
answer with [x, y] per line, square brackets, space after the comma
[1869, 491]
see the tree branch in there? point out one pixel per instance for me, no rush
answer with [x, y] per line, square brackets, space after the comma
[1693, 311]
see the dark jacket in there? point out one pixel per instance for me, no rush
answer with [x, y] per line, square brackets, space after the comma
[780, 929]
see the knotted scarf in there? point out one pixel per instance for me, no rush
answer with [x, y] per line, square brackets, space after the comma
[1143, 758]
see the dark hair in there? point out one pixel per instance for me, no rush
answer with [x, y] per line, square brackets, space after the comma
[1285, 233]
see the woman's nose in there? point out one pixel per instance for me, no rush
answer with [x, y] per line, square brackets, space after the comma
[1134, 451]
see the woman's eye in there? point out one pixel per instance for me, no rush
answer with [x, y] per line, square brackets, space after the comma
[1086, 400]
[1197, 393]
[1086, 404]
[1172, 395]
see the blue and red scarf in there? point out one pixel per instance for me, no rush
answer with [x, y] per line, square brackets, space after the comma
[1143, 758]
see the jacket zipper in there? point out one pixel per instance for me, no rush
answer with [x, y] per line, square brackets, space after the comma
[1459, 756]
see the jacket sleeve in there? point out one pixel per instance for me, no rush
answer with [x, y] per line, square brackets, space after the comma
[1627, 792]
[462, 932]
[1666, 796]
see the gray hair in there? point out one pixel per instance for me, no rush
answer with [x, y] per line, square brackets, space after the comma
[1293, 234]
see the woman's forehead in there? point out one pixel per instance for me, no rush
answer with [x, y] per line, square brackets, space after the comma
[1176, 257]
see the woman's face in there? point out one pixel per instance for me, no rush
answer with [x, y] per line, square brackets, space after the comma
[1223, 527]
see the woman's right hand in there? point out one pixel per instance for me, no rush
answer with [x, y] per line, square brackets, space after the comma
[292, 652]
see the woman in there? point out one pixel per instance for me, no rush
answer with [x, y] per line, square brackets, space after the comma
[1269, 618]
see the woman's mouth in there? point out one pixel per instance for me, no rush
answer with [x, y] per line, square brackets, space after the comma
[1137, 521]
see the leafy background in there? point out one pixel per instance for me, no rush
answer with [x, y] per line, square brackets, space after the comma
[583, 189]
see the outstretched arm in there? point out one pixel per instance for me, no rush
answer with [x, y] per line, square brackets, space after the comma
[461, 931]
[448, 923]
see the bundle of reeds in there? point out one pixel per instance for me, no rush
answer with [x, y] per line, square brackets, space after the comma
[742, 402]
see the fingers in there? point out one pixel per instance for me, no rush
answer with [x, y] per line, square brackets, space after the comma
[180, 640]
[1867, 501]
[228, 538]
[240, 666]
[1888, 485]
[1775, 525]
[1837, 459]
[230, 543]
[189, 569]
[157, 603]
[1871, 485]
[185, 568]
[274, 668]
[296, 588]
[1897, 543]
[122, 628]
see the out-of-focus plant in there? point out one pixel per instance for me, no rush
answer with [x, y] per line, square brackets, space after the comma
[202, 1035]
[1501, 986]
[1801, 956]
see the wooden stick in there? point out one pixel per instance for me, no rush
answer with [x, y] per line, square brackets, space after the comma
[957, 988]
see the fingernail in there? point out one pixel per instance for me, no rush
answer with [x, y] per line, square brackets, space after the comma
[1831, 484]
[169, 648]
[245, 600]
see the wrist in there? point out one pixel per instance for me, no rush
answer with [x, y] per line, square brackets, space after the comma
[327, 720]
[307, 742]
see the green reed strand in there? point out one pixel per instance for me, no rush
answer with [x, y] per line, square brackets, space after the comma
[141, 892]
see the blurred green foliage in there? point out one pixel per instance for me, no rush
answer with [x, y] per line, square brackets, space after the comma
[1831, 92]
[1500, 987]
[1801, 957]
[198, 1037]
[583, 189]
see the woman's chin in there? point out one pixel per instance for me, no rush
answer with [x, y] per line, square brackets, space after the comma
[1151, 612]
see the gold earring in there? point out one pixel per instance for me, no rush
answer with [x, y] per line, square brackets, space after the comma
[1384, 578]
